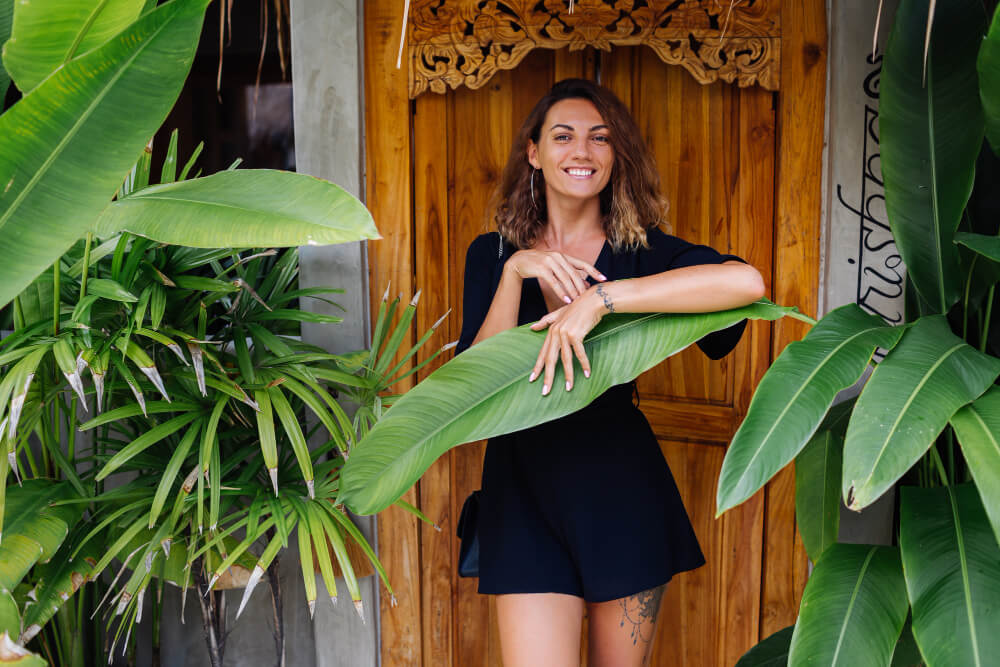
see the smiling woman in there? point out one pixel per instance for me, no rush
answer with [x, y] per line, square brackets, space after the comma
[579, 213]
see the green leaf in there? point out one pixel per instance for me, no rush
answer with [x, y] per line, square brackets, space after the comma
[47, 34]
[34, 528]
[6, 19]
[252, 207]
[74, 137]
[817, 492]
[56, 581]
[10, 615]
[988, 66]
[906, 403]
[485, 392]
[930, 137]
[294, 434]
[170, 472]
[147, 439]
[794, 395]
[770, 652]
[265, 432]
[110, 289]
[978, 429]
[987, 246]
[291, 315]
[853, 608]
[952, 566]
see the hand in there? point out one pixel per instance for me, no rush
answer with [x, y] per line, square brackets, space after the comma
[567, 328]
[565, 275]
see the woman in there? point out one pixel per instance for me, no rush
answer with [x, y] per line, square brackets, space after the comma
[582, 512]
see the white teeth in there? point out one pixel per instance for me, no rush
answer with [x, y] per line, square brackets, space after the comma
[580, 172]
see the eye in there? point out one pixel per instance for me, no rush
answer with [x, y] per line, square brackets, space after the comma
[561, 137]
[602, 138]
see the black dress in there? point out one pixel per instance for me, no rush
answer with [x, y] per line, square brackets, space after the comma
[585, 504]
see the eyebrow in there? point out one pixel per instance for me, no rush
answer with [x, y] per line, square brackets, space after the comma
[573, 129]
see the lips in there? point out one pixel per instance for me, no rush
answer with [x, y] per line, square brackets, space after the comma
[580, 172]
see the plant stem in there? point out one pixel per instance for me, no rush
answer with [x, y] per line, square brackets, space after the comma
[86, 264]
[965, 299]
[55, 297]
[276, 608]
[205, 599]
[936, 457]
[986, 321]
[802, 317]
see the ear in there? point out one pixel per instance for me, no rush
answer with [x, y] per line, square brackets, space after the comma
[533, 155]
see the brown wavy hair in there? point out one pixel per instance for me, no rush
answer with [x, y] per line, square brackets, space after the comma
[631, 202]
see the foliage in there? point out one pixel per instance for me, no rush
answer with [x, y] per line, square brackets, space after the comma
[929, 413]
[485, 392]
[192, 352]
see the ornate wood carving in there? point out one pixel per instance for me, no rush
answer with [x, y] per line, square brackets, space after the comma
[465, 42]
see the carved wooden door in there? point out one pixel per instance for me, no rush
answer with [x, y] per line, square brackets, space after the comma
[720, 157]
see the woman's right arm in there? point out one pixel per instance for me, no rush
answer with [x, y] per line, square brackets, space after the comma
[504, 308]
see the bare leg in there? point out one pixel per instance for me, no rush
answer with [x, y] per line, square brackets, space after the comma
[622, 631]
[540, 629]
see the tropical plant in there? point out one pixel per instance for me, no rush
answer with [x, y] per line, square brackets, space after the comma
[97, 82]
[929, 414]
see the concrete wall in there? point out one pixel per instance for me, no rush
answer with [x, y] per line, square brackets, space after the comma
[859, 259]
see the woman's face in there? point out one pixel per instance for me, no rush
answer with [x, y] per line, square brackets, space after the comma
[573, 151]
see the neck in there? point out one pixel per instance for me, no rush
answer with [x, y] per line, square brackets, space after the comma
[571, 221]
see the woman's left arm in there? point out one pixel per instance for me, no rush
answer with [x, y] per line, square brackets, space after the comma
[690, 289]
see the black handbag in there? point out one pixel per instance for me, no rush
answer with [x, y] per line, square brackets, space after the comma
[468, 533]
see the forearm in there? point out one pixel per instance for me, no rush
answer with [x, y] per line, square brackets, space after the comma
[691, 289]
[504, 308]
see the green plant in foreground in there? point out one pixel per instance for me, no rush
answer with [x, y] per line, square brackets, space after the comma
[929, 414]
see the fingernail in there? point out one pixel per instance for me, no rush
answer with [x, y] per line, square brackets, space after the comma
[586, 373]
[567, 299]
[602, 276]
[531, 378]
[545, 390]
[568, 385]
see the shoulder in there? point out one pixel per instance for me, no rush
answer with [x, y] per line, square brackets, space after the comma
[660, 241]
[484, 246]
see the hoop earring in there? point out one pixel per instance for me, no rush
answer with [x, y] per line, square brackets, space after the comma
[533, 202]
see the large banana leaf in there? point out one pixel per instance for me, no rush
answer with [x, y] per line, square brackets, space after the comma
[930, 136]
[817, 492]
[68, 144]
[259, 207]
[485, 392]
[33, 528]
[794, 395]
[983, 244]
[906, 403]
[952, 565]
[6, 18]
[853, 608]
[47, 34]
[988, 65]
[770, 652]
[978, 429]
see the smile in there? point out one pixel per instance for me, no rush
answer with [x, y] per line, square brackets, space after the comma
[577, 172]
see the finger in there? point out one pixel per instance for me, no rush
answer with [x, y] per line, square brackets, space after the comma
[551, 358]
[578, 286]
[540, 361]
[566, 353]
[558, 286]
[542, 323]
[588, 269]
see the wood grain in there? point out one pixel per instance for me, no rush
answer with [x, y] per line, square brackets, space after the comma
[388, 193]
[796, 271]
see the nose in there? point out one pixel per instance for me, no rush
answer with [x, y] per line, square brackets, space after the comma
[581, 148]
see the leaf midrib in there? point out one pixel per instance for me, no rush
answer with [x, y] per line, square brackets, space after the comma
[906, 407]
[850, 606]
[966, 588]
[69, 136]
[805, 384]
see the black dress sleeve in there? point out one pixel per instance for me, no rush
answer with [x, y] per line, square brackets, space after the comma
[477, 288]
[667, 252]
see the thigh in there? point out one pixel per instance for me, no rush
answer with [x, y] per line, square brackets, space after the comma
[540, 629]
[622, 631]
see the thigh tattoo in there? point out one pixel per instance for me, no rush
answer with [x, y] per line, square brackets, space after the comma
[640, 611]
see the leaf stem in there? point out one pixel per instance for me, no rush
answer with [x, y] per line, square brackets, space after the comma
[965, 299]
[986, 320]
[802, 317]
[86, 264]
[55, 297]
[936, 457]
